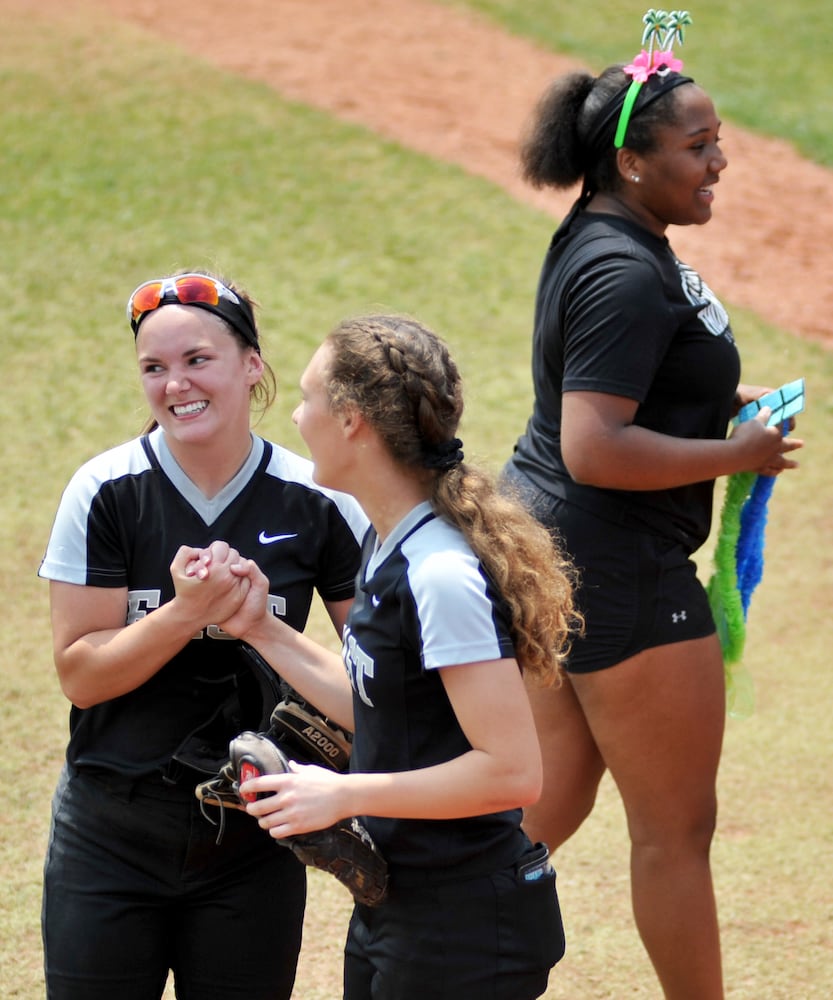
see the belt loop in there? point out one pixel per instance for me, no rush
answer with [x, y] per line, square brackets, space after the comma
[171, 772]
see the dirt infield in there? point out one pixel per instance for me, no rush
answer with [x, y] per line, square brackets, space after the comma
[451, 85]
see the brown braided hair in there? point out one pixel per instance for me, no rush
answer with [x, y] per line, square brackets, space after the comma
[402, 380]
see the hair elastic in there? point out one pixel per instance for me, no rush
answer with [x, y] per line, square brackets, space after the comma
[443, 455]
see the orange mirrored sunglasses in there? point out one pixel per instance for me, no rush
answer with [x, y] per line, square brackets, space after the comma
[187, 289]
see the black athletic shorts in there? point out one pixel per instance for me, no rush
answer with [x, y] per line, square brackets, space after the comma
[637, 590]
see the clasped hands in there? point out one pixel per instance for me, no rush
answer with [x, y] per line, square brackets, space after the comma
[220, 587]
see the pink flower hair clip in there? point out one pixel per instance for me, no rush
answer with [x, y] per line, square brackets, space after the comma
[662, 28]
[648, 63]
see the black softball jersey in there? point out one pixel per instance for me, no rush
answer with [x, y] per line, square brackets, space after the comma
[120, 522]
[423, 604]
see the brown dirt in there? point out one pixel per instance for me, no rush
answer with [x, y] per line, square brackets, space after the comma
[451, 85]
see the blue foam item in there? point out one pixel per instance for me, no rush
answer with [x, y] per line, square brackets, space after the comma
[750, 544]
[785, 402]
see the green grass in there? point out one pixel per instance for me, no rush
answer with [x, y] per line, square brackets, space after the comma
[766, 65]
[124, 157]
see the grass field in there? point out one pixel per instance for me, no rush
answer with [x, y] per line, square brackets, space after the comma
[124, 157]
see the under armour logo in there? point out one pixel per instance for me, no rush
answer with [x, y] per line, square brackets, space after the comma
[678, 616]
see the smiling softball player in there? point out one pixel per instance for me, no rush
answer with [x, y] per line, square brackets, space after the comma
[135, 881]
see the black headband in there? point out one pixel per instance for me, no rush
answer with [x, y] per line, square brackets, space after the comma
[602, 131]
[238, 316]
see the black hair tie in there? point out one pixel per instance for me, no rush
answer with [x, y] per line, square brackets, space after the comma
[443, 455]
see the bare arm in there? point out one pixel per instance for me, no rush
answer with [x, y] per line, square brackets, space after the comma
[98, 656]
[501, 771]
[338, 611]
[603, 447]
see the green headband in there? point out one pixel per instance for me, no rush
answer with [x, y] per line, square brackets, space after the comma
[659, 85]
[625, 113]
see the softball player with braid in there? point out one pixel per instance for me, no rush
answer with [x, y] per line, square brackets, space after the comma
[135, 881]
[459, 591]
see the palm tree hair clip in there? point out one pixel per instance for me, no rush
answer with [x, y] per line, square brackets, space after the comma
[662, 28]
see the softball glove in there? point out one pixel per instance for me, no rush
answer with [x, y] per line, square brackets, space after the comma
[345, 850]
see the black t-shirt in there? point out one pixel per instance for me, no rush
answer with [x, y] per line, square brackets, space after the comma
[120, 522]
[618, 313]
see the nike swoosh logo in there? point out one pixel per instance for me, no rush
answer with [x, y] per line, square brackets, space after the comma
[265, 539]
[375, 600]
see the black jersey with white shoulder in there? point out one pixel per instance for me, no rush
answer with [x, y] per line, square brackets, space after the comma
[120, 522]
[423, 604]
[618, 313]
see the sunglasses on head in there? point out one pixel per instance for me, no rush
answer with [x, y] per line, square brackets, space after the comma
[187, 289]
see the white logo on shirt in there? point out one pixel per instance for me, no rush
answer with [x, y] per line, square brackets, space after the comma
[265, 539]
[140, 603]
[712, 314]
[359, 665]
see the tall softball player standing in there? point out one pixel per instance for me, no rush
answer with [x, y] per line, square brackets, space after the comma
[459, 590]
[135, 882]
[636, 376]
